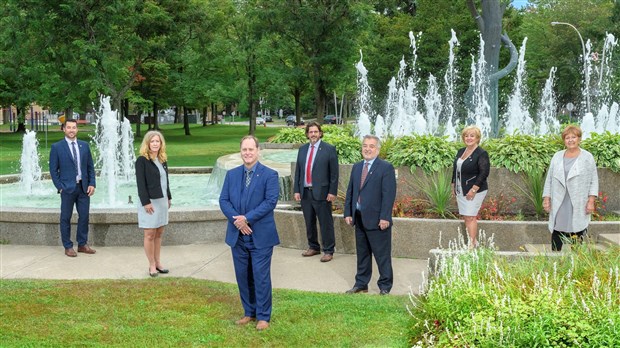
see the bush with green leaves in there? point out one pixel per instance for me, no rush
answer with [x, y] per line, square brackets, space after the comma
[292, 135]
[605, 148]
[520, 152]
[428, 152]
[348, 147]
[479, 299]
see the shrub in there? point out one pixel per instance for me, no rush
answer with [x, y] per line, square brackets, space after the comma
[605, 148]
[428, 152]
[290, 136]
[520, 152]
[347, 146]
[533, 185]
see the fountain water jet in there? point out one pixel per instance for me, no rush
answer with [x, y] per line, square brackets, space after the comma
[30, 173]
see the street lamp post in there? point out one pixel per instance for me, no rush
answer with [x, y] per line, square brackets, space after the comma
[585, 65]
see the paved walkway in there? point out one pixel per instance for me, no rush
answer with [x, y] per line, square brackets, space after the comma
[202, 261]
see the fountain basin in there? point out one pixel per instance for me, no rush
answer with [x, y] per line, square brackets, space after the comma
[411, 238]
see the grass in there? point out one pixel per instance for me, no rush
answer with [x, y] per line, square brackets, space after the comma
[202, 148]
[190, 312]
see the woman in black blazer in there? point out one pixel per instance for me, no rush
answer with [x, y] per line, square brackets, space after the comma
[154, 193]
[469, 180]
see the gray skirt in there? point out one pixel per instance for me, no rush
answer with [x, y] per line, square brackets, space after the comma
[159, 217]
[470, 208]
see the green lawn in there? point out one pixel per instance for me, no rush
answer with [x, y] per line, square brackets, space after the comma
[202, 148]
[176, 312]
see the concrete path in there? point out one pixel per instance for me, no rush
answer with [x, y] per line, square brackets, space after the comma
[202, 261]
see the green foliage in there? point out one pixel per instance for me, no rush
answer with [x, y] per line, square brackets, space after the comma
[484, 300]
[605, 148]
[288, 135]
[520, 152]
[347, 146]
[533, 184]
[428, 152]
[438, 190]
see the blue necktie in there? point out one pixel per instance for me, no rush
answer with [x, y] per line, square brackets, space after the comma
[248, 177]
[75, 159]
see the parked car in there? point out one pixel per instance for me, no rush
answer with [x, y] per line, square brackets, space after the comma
[268, 118]
[330, 119]
[292, 119]
[260, 120]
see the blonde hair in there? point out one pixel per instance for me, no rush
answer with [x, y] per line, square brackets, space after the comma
[571, 129]
[145, 149]
[471, 129]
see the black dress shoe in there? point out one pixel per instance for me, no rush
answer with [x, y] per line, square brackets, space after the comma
[356, 290]
[162, 270]
[384, 292]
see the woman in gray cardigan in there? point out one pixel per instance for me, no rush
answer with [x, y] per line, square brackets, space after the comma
[571, 188]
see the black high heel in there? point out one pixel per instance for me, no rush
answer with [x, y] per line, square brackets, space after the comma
[162, 270]
[153, 275]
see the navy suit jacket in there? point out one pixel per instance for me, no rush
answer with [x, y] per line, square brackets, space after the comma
[377, 194]
[261, 201]
[324, 171]
[62, 168]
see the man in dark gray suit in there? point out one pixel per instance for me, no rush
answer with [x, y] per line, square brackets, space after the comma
[316, 186]
[368, 206]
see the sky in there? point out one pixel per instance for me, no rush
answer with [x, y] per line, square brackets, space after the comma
[519, 3]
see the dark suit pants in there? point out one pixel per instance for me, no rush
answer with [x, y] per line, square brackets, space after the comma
[322, 210]
[253, 272]
[368, 242]
[82, 204]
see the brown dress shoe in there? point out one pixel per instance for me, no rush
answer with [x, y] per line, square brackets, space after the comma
[70, 252]
[310, 252]
[244, 320]
[356, 290]
[86, 249]
[327, 257]
[262, 325]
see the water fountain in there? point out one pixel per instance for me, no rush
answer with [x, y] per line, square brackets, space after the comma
[30, 173]
[436, 115]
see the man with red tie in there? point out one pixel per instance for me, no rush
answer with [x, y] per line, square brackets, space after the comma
[316, 186]
[368, 206]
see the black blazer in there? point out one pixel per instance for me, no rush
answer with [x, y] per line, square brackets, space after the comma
[474, 170]
[324, 171]
[148, 180]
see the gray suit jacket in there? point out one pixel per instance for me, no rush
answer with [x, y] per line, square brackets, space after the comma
[581, 182]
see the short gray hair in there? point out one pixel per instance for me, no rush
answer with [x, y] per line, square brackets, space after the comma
[372, 136]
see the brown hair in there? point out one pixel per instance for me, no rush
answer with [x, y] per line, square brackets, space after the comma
[249, 137]
[571, 129]
[314, 124]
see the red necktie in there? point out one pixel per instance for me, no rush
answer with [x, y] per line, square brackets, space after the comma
[309, 167]
[364, 174]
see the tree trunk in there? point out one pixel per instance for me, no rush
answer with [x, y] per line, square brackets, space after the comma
[251, 98]
[155, 116]
[204, 116]
[21, 119]
[138, 123]
[297, 96]
[186, 121]
[320, 97]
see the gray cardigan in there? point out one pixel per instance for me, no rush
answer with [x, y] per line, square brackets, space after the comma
[581, 182]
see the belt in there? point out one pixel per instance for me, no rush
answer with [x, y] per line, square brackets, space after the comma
[78, 182]
[308, 188]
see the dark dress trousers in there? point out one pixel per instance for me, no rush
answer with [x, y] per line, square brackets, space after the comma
[252, 254]
[314, 202]
[72, 193]
[376, 198]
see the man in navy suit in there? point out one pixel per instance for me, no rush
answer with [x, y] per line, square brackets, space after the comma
[316, 186]
[73, 173]
[249, 196]
[368, 206]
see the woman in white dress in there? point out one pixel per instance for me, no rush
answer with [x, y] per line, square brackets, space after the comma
[154, 193]
[469, 180]
[570, 192]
